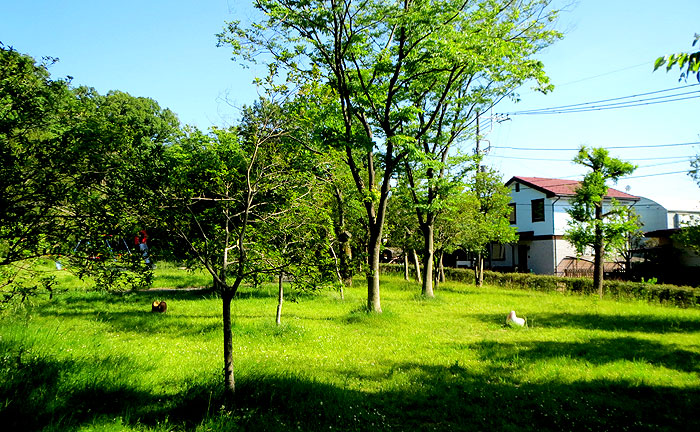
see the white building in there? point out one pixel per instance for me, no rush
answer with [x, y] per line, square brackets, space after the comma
[666, 213]
[540, 214]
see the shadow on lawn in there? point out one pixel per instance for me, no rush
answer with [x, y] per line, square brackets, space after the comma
[450, 398]
[592, 321]
[131, 312]
[598, 351]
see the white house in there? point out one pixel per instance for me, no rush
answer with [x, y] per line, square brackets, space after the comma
[666, 213]
[661, 220]
[539, 213]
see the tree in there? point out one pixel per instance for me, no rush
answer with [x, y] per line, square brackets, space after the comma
[688, 60]
[76, 166]
[690, 235]
[232, 198]
[489, 221]
[593, 224]
[402, 227]
[391, 66]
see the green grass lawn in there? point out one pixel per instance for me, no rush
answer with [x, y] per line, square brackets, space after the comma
[99, 361]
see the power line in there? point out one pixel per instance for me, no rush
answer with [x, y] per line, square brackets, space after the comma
[656, 175]
[612, 147]
[684, 158]
[605, 103]
[613, 99]
[605, 74]
[631, 104]
[687, 160]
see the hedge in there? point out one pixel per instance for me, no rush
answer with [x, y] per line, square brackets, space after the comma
[682, 296]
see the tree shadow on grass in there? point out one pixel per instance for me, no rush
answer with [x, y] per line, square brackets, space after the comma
[132, 312]
[639, 323]
[597, 351]
[592, 321]
[423, 397]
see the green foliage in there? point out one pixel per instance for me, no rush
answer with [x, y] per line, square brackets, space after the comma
[405, 78]
[593, 221]
[488, 221]
[688, 61]
[77, 166]
[689, 235]
[241, 200]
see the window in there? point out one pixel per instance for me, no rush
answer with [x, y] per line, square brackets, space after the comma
[512, 218]
[537, 210]
[498, 252]
[517, 187]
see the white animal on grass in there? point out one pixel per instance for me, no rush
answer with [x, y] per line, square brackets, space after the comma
[513, 320]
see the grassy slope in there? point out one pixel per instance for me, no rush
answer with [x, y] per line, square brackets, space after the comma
[93, 361]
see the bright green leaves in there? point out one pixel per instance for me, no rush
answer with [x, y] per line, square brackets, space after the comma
[595, 217]
[689, 61]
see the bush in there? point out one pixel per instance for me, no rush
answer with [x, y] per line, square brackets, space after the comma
[669, 294]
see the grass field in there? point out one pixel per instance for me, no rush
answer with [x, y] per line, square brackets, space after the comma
[99, 361]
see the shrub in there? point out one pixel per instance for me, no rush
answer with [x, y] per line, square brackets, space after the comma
[669, 294]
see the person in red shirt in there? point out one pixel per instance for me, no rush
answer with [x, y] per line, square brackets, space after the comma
[140, 241]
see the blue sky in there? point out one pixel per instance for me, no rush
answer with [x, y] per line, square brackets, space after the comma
[167, 50]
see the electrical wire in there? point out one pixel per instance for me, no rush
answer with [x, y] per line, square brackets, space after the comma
[658, 174]
[684, 158]
[604, 103]
[611, 147]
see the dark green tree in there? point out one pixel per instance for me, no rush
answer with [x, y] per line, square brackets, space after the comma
[488, 222]
[76, 166]
[690, 235]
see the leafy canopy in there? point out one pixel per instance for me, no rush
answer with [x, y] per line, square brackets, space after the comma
[593, 221]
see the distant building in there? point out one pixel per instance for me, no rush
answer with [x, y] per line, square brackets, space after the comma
[666, 213]
[540, 214]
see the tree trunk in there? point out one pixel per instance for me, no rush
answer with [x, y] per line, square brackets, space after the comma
[441, 267]
[416, 265]
[479, 269]
[337, 271]
[373, 301]
[229, 380]
[405, 265]
[598, 260]
[280, 299]
[438, 275]
[345, 258]
[428, 257]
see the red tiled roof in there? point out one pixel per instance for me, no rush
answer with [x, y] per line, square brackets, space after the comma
[559, 187]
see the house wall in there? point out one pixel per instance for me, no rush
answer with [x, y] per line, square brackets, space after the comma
[541, 257]
[679, 219]
[652, 214]
[523, 200]
[547, 247]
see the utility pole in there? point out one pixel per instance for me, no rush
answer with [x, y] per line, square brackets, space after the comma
[478, 150]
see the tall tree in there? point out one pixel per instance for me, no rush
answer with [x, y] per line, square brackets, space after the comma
[392, 66]
[593, 224]
[690, 235]
[402, 227]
